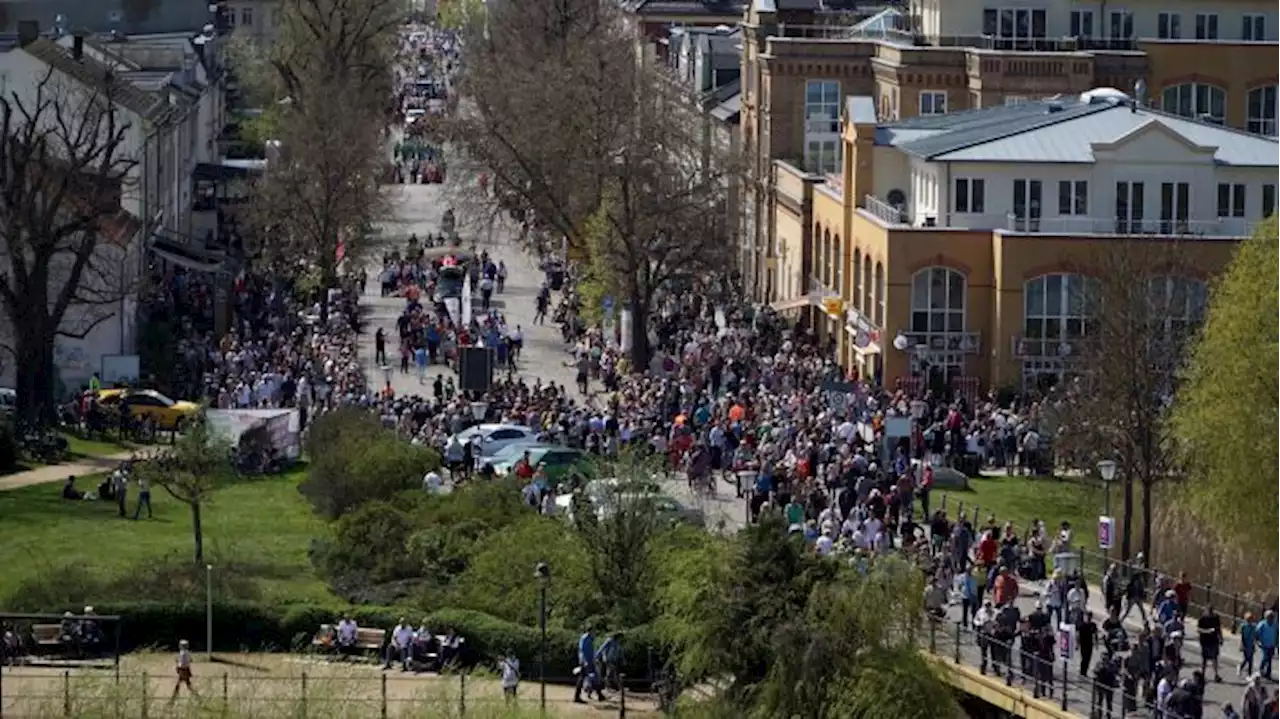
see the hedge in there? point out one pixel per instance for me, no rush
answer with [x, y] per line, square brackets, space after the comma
[240, 626]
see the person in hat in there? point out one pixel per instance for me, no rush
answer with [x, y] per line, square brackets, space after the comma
[184, 671]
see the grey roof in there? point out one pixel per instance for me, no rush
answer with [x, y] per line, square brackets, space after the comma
[1063, 131]
[684, 7]
[729, 110]
[94, 74]
[127, 16]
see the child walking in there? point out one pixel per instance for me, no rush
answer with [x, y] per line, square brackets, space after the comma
[184, 671]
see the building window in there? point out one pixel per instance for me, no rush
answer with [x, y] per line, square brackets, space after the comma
[857, 280]
[1121, 24]
[1261, 115]
[970, 195]
[1073, 197]
[868, 290]
[879, 294]
[1013, 26]
[1230, 200]
[1169, 26]
[1175, 207]
[822, 106]
[1011, 100]
[822, 156]
[1027, 196]
[1082, 23]
[1058, 310]
[937, 300]
[246, 16]
[1254, 27]
[837, 259]
[1196, 100]
[1179, 302]
[933, 102]
[1206, 26]
[1268, 200]
[1130, 201]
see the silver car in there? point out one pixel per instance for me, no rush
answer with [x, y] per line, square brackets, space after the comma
[493, 438]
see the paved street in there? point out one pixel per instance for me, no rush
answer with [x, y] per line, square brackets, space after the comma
[420, 211]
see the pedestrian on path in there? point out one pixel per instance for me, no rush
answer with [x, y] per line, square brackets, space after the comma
[184, 671]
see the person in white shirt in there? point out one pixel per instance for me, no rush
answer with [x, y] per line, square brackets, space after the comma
[400, 645]
[184, 671]
[347, 631]
[824, 544]
[432, 482]
[510, 668]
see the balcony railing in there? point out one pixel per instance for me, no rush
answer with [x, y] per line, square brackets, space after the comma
[966, 342]
[1221, 227]
[981, 42]
[885, 212]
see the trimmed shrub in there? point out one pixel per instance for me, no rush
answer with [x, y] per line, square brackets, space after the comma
[250, 626]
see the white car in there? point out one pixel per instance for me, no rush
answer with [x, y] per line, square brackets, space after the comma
[413, 114]
[496, 437]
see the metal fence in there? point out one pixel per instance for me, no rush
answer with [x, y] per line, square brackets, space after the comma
[29, 692]
[1093, 564]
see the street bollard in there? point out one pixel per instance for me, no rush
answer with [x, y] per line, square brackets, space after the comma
[384, 696]
[959, 628]
[66, 692]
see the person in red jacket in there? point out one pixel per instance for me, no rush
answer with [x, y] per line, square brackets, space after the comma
[988, 548]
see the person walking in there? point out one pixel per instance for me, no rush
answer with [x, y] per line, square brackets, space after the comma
[380, 347]
[1267, 643]
[120, 487]
[510, 670]
[586, 668]
[1248, 642]
[184, 671]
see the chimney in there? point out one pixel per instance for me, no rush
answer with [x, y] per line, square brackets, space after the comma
[28, 31]
[77, 47]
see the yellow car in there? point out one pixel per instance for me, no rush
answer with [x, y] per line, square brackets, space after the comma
[167, 414]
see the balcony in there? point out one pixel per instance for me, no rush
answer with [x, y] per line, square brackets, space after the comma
[965, 342]
[1232, 227]
[885, 212]
[1040, 348]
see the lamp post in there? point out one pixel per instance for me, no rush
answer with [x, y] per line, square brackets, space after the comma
[542, 573]
[479, 410]
[1107, 470]
[208, 610]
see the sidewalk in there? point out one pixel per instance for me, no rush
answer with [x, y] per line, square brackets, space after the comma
[59, 472]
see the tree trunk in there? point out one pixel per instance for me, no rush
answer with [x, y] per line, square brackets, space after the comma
[1126, 539]
[1147, 483]
[35, 373]
[197, 530]
[639, 333]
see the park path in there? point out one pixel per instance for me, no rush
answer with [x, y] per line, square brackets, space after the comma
[59, 472]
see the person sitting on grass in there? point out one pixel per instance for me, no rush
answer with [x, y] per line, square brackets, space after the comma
[69, 490]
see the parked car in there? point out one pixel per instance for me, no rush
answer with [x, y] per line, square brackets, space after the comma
[558, 461]
[143, 404]
[496, 437]
[605, 495]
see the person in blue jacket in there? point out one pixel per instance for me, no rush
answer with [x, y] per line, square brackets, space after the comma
[1267, 643]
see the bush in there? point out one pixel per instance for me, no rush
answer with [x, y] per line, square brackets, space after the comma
[368, 545]
[239, 626]
[355, 460]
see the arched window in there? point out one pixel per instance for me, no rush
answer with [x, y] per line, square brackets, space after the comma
[1260, 112]
[857, 279]
[837, 259]
[937, 300]
[1057, 311]
[826, 258]
[880, 294]
[1179, 303]
[868, 289]
[1196, 100]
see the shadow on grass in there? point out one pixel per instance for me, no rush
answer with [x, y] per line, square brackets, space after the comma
[227, 661]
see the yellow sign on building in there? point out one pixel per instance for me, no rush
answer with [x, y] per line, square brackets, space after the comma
[834, 306]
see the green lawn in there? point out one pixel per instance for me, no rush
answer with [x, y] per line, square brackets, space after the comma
[1021, 499]
[261, 527]
[80, 447]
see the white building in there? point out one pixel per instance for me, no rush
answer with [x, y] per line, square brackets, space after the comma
[172, 103]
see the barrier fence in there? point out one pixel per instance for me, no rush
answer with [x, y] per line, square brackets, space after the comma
[1232, 606]
[30, 693]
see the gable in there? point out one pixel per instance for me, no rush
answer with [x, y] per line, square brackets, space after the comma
[1153, 142]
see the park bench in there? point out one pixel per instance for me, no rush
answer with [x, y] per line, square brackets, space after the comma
[47, 635]
[367, 639]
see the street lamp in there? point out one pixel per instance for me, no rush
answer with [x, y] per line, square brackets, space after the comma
[1107, 470]
[479, 410]
[542, 573]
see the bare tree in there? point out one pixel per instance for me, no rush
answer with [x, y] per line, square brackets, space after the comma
[605, 151]
[66, 240]
[1143, 307]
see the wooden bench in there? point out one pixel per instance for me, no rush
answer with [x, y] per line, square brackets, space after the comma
[367, 639]
[47, 635]
[370, 639]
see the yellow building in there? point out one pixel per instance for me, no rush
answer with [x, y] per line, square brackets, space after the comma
[955, 248]
[1207, 60]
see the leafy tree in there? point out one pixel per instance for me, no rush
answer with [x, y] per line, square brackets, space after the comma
[189, 471]
[368, 546]
[1225, 413]
[798, 635]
